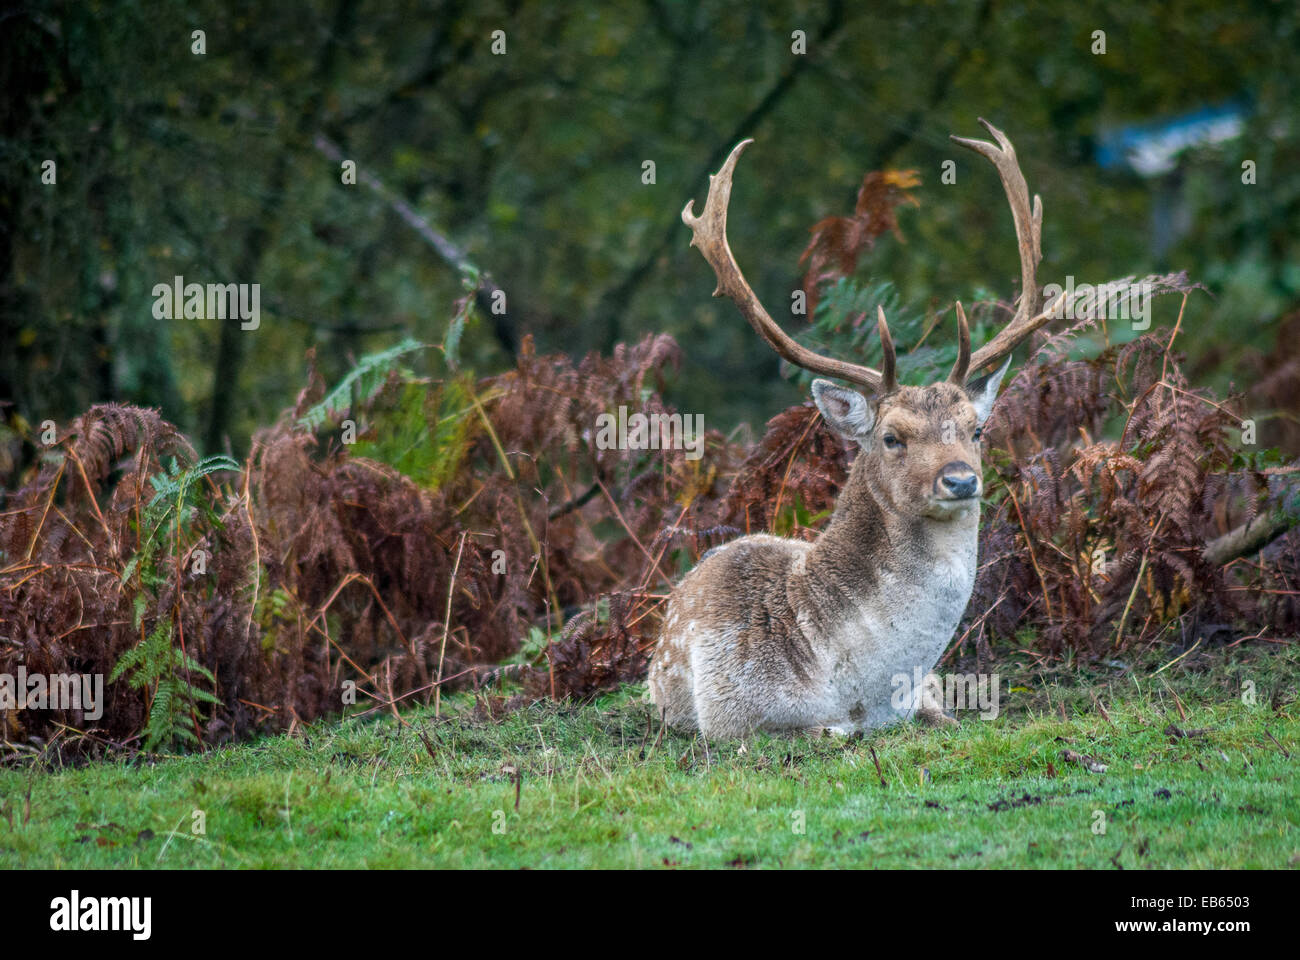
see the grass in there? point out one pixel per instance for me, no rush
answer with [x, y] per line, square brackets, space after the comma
[594, 791]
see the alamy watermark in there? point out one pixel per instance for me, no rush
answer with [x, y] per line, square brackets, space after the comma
[57, 691]
[656, 431]
[1117, 300]
[75, 913]
[954, 691]
[213, 301]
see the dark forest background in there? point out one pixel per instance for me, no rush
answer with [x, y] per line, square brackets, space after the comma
[214, 167]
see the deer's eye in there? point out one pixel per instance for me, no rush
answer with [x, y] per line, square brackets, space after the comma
[892, 442]
[979, 432]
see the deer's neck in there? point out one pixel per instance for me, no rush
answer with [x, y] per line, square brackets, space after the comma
[870, 539]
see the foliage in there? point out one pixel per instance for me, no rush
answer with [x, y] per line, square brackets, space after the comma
[165, 672]
[422, 429]
[169, 516]
[1111, 475]
[472, 518]
[176, 164]
[168, 674]
[99, 561]
[844, 325]
[838, 242]
[360, 385]
[414, 528]
[328, 562]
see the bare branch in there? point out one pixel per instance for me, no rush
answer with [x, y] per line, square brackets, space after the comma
[1249, 537]
[446, 249]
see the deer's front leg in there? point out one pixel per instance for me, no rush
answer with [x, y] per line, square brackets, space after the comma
[838, 731]
[928, 704]
[933, 716]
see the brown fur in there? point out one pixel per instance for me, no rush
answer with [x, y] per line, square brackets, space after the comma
[769, 633]
[780, 634]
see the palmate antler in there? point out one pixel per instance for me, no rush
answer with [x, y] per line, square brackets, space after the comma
[709, 231]
[709, 236]
[1029, 237]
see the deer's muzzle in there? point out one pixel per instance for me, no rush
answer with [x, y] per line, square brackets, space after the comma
[957, 480]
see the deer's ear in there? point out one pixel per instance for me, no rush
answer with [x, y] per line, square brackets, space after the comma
[984, 391]
[847, 412]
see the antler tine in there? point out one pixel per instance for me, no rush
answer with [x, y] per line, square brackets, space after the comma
[709, 236]
[962, 366]
[889, 363]
[1028, 218]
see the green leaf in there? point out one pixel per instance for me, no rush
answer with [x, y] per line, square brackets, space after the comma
[367, 377]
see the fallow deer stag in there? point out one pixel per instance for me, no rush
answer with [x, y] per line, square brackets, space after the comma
[775, 634]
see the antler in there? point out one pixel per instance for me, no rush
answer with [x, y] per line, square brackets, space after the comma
[1029, 226]
[709, 235]
[962, 366]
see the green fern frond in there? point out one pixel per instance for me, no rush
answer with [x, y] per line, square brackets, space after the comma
[361, 383]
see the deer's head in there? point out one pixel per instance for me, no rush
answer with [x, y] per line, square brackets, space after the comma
[921, 444]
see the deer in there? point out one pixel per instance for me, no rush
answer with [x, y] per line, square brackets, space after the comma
[786, 635]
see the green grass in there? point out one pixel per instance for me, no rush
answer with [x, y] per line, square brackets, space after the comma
[365, 792]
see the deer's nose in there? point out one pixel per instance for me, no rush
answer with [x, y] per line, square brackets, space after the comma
[959, 480]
